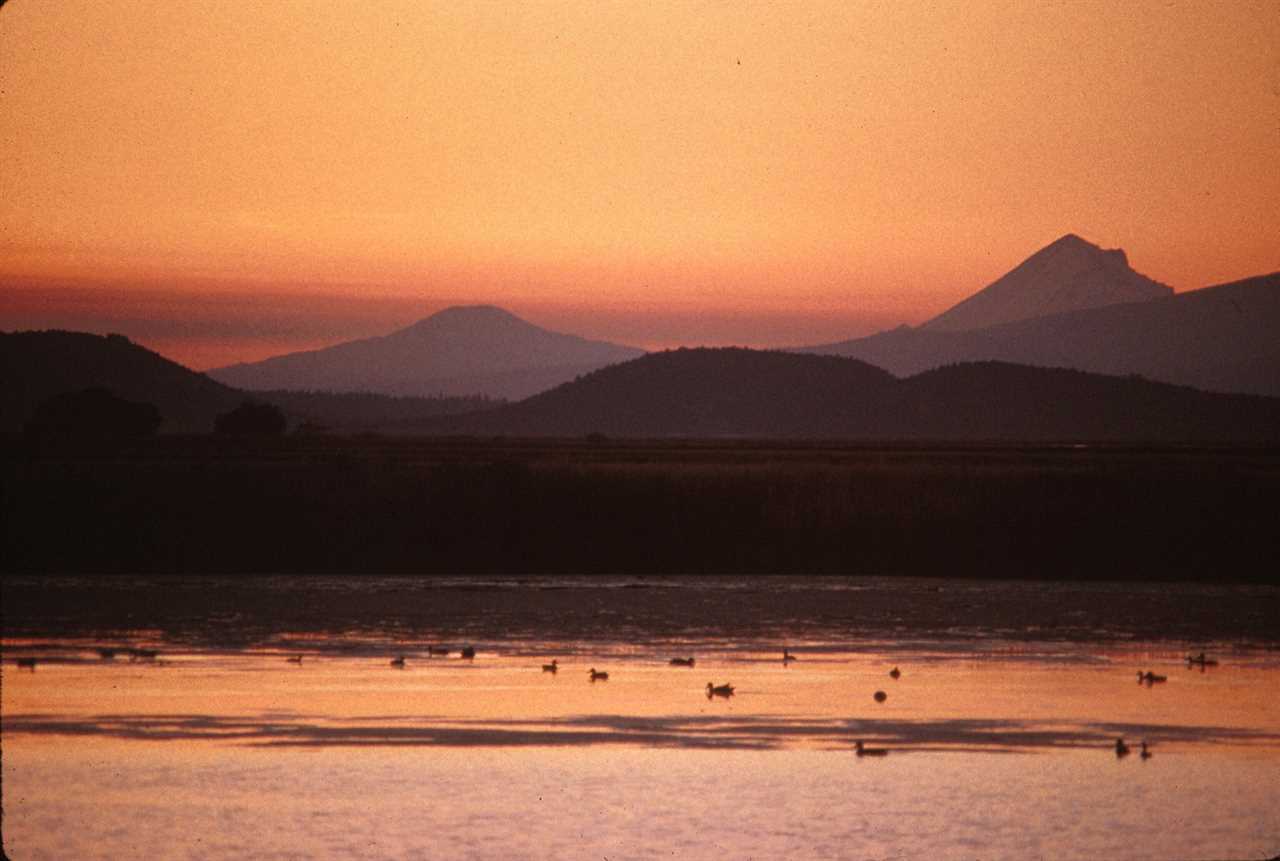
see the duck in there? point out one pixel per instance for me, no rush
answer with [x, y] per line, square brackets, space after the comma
[787, 657]
[398, 662]
[881, 696]
[597, 676]
[1122, 749]
[862, 750]
[713, 690]
[143, 654]
[895, 673]
[551, 667]
[107, 654]
[294, 659]
[432, 651]
[468, 652]
[28, 663]
[1150, 678]
[1201, 660]
[1145, 754]
[681, 662]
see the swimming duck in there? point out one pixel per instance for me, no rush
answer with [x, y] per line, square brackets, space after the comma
[398, 662]
[1201, 660]
[1150, 678]
[468, 652]
[28, 663]
[1122, 749]
[881, 696]
[895, 673]
[551, 667]
[1145, 754]
[681, 662]
[107, 654]
[597, 676]
[787, 657]
[713, 690]
[861, 750]
[432, 651]
[294, 659]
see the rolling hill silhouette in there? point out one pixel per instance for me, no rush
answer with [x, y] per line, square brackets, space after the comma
[472, 350]
[1069, 274]
[1219, 338]
[36, 366]
[746, 393]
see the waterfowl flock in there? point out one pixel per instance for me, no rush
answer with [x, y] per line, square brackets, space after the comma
[1120, 747]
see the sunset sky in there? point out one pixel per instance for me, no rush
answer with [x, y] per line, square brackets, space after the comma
[228, 181]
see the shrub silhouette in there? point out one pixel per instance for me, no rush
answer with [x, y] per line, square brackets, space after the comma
[92, 414]
[252, 419]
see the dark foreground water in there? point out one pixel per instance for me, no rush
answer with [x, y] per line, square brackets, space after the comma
[239, 611]
[270, 722]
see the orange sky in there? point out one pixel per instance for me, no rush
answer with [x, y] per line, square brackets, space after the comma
[653, 173]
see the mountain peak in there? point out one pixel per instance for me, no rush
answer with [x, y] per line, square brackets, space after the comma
[461, 350]
[469, 315]
[1069, 274]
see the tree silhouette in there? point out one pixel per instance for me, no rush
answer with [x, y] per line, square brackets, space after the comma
[252, 418]
[92, 414]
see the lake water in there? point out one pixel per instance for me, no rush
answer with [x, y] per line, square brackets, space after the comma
[999, 733]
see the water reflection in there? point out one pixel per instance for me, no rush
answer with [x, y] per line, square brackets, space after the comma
[691, 731]
[990, 750]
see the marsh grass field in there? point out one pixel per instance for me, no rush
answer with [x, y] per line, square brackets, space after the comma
[317, 504]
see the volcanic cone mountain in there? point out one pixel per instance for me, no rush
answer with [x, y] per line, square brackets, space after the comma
[466, 350]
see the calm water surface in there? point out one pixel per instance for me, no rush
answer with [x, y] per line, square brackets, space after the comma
[999, 744]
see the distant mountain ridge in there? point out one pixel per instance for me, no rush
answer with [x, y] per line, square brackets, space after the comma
[734, 392]
[1221, 338]
[1069, 274]
[464, 350]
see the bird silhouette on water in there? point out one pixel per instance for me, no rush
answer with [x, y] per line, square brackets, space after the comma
[597, 676]
[551, 667]
[714, 690]
[862, 750]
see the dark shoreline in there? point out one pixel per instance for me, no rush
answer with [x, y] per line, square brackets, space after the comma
[353, 505]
